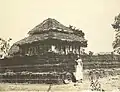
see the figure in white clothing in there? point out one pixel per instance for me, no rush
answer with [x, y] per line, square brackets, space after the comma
[79, 70]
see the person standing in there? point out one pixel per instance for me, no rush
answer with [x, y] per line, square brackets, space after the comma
[79, 70]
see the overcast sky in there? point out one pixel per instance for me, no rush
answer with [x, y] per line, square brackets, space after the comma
[94, 17]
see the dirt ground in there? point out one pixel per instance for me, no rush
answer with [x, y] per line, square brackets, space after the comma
[108, 84]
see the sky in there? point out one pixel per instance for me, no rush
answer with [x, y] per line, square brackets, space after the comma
[94, 17]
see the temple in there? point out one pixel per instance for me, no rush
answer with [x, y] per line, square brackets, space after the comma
[47, 55]
[50, 36]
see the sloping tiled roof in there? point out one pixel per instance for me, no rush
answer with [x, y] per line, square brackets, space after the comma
[50, 35]
[49, 24]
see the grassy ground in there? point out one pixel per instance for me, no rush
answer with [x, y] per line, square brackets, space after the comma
[109, 84]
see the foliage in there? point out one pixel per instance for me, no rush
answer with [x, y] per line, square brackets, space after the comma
[4, 47]
[90, 53]
[77, 31]
[116, 26]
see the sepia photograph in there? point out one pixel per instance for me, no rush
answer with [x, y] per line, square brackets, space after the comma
[60, 45]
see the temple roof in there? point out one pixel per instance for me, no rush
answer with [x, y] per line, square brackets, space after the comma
[49, 24]
[51, 35]
[52, 29]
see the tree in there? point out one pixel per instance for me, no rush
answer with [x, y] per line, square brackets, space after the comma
[116, 26]
[4, 47]
[91, 53]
